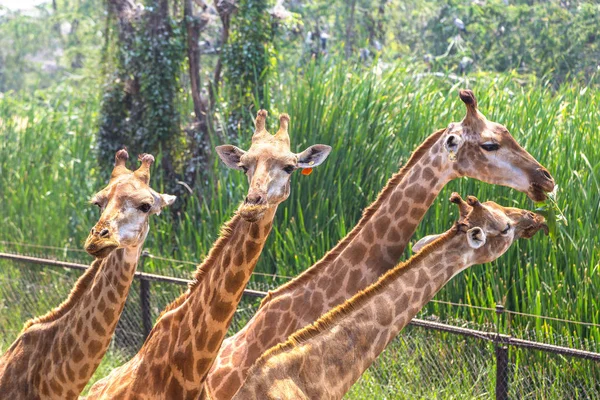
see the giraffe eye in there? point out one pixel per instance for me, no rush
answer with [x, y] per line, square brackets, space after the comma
[505, 231]
[289, 168]
[145, 207]
[490, 146]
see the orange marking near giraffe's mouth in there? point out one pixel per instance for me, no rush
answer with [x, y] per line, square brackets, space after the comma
[307, 171]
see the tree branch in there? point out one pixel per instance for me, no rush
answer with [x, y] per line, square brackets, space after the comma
[225, 8]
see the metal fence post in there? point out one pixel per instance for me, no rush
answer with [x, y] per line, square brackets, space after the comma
[145, 298]
[501, 351]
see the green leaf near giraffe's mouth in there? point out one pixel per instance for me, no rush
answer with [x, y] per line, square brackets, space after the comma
[552, 213]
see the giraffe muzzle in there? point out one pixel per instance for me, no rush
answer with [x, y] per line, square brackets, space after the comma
[531, 225]
[541, 183]
[253, 212]
[537, 193]
[100, 243]
[101, 249]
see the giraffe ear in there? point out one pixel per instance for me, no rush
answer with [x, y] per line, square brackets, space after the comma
[452, 143]
[476, 237]
[167, 199]
[313, 156]
[161, 201]
[424, 242]
[230, 155]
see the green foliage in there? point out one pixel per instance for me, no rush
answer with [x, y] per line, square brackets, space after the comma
[16, 43]
[43, 46]
[247, 55]
[140, 102]
[47, 162]
[552, 39]
[544, 38]
[159, 51]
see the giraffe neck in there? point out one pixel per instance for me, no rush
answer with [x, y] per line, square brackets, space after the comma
[349, 338]
[57, 354]
[386, 228]
[382, 240]
[174, 361]
[372, 251]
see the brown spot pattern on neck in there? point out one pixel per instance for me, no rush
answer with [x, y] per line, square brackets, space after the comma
[368, 213]
[81, 287]
[333, 317]
[213, 255]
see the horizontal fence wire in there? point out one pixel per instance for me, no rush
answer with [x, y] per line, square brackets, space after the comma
[448, 361]
[39, 246]
[145, 254]
[568, 321]
[490, 336]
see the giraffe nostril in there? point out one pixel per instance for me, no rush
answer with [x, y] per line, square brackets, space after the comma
[254, 199]
[104, 233]
[92, 231]
[546, 174]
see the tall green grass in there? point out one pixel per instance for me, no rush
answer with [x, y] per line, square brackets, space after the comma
[373, 121]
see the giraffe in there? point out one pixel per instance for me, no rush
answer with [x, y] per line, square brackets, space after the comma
[56, 354]
[475, 147]
[323, 360]
[175, 359]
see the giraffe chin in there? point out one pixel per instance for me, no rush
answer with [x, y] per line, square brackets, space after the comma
[253, 213]
[101, 249]
[537, 194]
[529, 232]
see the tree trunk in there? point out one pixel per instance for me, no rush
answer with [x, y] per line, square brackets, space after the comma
[56, 25]
[224, 8]
[193, 52]
[197, 133]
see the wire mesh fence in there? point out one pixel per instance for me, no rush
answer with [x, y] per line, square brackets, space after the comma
[430, 359]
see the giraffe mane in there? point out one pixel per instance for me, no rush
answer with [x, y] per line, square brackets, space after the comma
[81, 286]
[226, 230]
[335, 315]
[368, 213]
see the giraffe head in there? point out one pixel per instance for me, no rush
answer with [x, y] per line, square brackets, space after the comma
[125, 205]
[489, 229]
[269, 164]
[487, 151]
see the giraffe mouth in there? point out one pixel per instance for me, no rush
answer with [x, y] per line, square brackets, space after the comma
[537, 193]
[253, 213]
[527, 227]
[100, 248]
[530, 231]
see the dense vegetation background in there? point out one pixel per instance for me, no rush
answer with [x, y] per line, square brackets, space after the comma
[81, 78]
